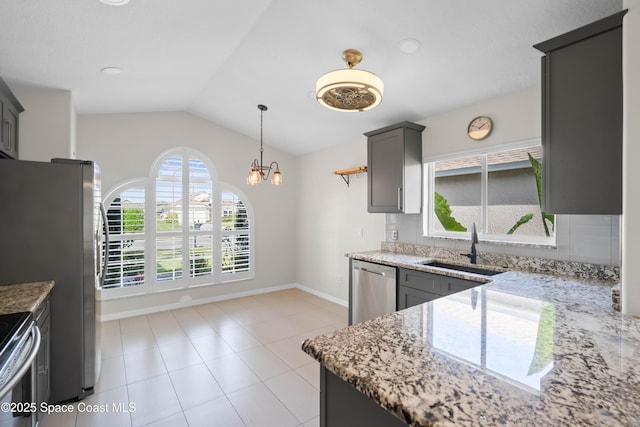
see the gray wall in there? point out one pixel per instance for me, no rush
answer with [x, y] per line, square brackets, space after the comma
[47, 125]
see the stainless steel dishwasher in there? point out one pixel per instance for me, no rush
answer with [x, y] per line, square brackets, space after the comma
[372, 291]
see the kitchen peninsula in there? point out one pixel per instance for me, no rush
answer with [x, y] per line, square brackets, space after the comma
[524, 349]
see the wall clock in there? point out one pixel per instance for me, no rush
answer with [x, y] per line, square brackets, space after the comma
[479, 128]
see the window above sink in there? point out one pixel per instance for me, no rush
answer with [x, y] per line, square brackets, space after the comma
[499, 188]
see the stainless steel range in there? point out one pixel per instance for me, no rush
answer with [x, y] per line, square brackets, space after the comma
[19, 344]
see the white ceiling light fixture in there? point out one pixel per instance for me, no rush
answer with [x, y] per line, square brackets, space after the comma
[348, 89]
[409, 46]
[115, 2]
[111, 71]
[259, 172]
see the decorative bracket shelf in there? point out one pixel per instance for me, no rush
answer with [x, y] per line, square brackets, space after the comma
[346, 173]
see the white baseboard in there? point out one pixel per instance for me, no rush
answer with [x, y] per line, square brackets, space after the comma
[190, 303]
[193, 303]
[322, 295]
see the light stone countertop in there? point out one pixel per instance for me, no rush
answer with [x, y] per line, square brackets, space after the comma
[523, 350]
[418, 263]
[23, 297]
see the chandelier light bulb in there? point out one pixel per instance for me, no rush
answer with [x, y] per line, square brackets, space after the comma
[276, 179]
[254, 177]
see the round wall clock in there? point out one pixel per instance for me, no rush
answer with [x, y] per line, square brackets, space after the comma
[479, 128]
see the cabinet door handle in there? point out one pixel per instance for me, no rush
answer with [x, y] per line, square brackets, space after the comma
[399, 198]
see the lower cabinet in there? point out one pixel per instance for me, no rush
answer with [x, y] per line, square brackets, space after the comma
[417, 287]
[342, 405]
[43, 359]
[408, 297]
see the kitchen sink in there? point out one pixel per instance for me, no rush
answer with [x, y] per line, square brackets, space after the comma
[465, 268]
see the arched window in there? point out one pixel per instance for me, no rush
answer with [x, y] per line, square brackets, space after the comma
[177, 228]
[126, 224]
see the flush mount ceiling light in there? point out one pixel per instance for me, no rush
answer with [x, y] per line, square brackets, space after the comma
[115, 2]
[112, 71]
[349, 89]
[409, 46]
[259, 172]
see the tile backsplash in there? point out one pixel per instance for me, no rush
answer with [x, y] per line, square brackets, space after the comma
[593, 239]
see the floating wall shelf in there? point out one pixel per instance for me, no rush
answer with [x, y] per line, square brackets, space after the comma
[346, 173]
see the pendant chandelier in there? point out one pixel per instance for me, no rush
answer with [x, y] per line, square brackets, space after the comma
[348, 89]
[259, 172]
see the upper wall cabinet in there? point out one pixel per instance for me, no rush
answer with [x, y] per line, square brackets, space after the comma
[582, 119]
[394, 157]
[10, 109]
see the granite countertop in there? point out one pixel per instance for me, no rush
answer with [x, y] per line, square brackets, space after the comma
[421, 263]
[23, 296]
[523, 349]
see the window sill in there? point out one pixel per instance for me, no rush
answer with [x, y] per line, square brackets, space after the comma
[163, 287]
[513, 243]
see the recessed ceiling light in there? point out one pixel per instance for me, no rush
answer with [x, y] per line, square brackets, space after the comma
[112, 71]
[409, 45]
[115, 2]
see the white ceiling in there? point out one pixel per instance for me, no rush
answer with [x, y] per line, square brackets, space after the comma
[219, 59]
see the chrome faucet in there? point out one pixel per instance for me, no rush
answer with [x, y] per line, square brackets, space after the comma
[473, 253]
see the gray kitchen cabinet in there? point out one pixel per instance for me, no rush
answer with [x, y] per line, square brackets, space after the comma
[394, 162]
[10, 110]
[582, 119]
[408, 297]
[417, 287]
[341, 404]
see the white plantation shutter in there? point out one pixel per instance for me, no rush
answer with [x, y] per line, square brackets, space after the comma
[126, 250]
[200, 219]
[182, 230]
[236, 235]
[169, 208]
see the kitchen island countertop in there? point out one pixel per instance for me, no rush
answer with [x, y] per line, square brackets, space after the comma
[524, 349]
[22, 297]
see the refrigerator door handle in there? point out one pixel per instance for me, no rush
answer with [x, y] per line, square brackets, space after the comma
[105, 261]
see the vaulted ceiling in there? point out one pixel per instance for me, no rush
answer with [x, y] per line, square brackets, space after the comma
[219, 59]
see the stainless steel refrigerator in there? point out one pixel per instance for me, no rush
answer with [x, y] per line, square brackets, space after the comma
[49, 226]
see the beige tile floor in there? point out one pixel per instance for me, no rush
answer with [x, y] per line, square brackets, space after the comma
[231, 363]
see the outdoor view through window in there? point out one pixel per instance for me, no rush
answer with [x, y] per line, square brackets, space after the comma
[500, 191]
[201, 233]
